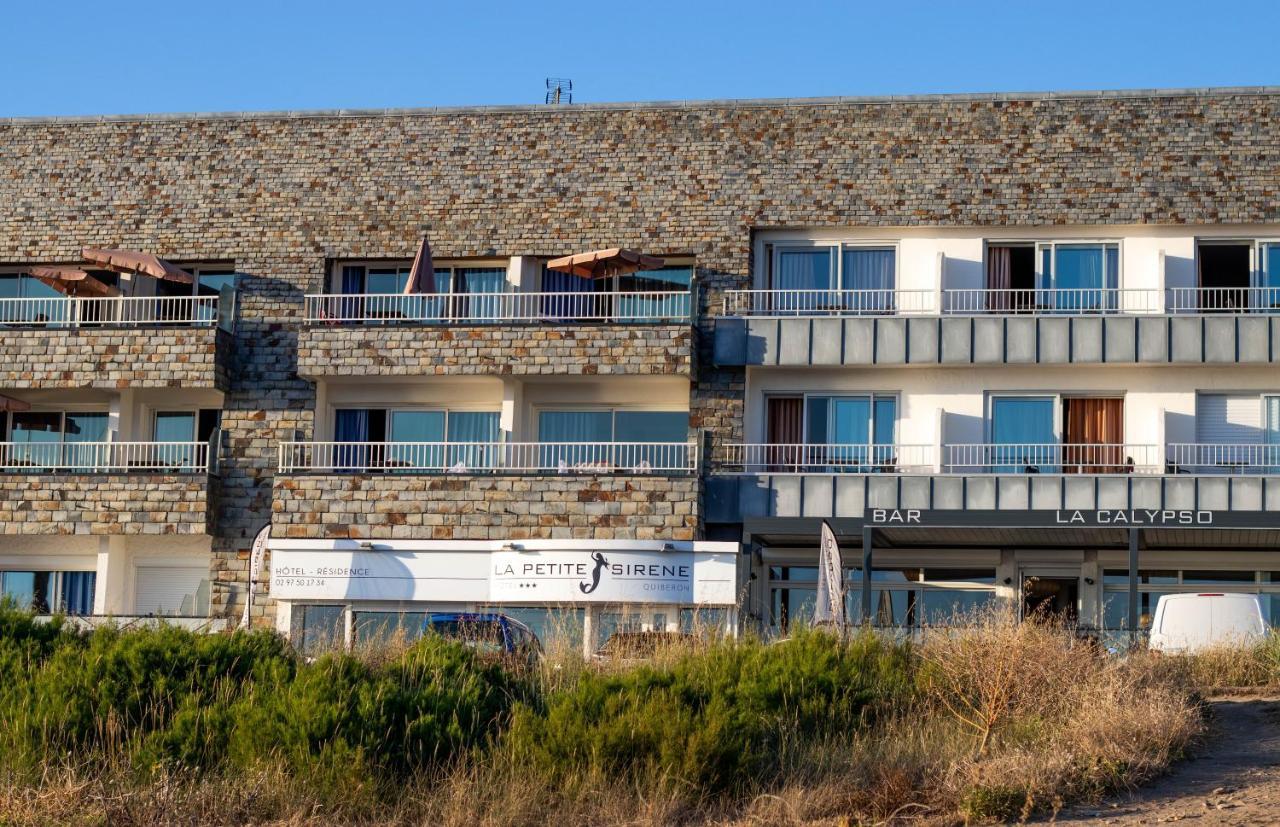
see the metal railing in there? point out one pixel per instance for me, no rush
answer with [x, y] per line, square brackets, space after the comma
[1052, 458]
[484, 457]
[494, 308]
[1222, 458]
[1224, 299]
[829, 459]
[1061, 302]
[782, 303]
[122, 311]
[105, 457]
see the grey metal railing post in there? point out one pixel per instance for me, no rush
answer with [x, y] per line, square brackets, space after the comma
[867, 533]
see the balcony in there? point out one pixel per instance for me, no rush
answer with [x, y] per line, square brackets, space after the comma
[106, 488]
[124, 341]
[487, 491]
[498, 334]
[844, 480]
[992, 327]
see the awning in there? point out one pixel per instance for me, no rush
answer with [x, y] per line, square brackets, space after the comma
[8, 403]
[130, 261]
[604, 263]
[422, 278]
[72, 281]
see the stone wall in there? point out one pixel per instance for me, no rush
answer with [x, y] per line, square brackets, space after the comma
[639, 507]
[105, 503]
[284, 195]
[493, 350]
[124, 357]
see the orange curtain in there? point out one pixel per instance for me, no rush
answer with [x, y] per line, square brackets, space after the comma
[1094, 431]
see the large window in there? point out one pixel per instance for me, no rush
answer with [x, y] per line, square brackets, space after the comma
[858, 431]
[1153, 583]
[56, 439]
[1081, 276]
[416, 439]
[1233, 431]
[672, 279]
[612, 439]
[45, 592]
[456, 293]
[859, 278]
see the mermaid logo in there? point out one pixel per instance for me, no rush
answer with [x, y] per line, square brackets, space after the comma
[595, 573]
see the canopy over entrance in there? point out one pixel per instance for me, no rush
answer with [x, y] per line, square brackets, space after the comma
[615, 261]
[131, 261]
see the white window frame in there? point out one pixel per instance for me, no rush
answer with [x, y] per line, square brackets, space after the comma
[837, 249]
[1053, 244]
[335, 273]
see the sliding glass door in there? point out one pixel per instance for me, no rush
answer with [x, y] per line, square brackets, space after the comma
[1077, 277]
[48, 439]
[856, 433]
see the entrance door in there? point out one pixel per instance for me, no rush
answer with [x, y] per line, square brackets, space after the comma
[1051, 595]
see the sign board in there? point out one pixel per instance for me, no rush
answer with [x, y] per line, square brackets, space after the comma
[552, 577]
[1071, 518]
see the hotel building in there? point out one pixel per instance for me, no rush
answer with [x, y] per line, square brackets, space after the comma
[1012, 347]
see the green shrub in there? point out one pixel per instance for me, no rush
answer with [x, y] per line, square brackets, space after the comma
[993, 803]
[341, 715]
[711, 718]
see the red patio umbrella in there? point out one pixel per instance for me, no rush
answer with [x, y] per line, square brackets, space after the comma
[614, 261]
[8, 403]
[422, 278]
[72, 281]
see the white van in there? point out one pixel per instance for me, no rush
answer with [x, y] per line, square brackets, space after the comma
[1194, 622]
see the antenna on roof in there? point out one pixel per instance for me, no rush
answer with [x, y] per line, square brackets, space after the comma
[559, 90]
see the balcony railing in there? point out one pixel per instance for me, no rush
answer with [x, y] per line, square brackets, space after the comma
[784, 303]
[490, 457]
[1052, 458]
[499, 308]
[118, 311]
[1221, 458]
[1050, 302]
[830, 459]
[1224, 300]
[105, 457]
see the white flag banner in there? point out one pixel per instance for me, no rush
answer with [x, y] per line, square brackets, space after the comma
[829, 608]
[256, 558]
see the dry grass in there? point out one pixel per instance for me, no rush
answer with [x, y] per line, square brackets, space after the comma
[1008, 719]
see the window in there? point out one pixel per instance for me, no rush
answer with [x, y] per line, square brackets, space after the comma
[55, 439]
[382, 629]
[182, 428]
[857, 278]
[1240, 431]
[1152, 584]
[613, 438]
[1083, 277]
[1023, 434]
[47, 592]
[317, 629]
[172, 591]
[858, 432]
[671, 279]
[457, 292]
[416, 439]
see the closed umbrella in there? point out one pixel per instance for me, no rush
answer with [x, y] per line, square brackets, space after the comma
[422, 278]
[131, 261]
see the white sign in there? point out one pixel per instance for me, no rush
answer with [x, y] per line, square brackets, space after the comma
[550, 577]
[597, 577]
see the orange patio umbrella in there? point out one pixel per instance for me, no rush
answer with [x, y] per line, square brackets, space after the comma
[72, 281]
[131, 261]
[615, 261]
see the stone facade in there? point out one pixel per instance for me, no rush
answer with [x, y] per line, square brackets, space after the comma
[120, 504]
[493, 350]
[373, 506]
[283, 195]
[116, 357]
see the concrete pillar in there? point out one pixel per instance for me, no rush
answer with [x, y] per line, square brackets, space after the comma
[1090, 591]
[523, 274]
[512, 402]
[1134, 537]
[111, 594]
[122, 418]
[322, 426]
[1007, 585]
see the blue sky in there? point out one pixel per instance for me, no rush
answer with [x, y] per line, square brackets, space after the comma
[121, 57]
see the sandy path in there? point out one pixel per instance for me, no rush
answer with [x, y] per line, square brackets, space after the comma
[1234, 778]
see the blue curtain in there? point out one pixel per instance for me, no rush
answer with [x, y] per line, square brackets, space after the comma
[479, 428]
[1091, 269]
[77, 592]
[868, 269]
[83, 428]
[1270, 299]
[351, 425]
[353, 286]
[1023, 420]
[416, 426]
[574, 426]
